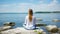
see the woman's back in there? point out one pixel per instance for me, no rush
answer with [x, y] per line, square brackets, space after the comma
[30, 20]
[28, 24]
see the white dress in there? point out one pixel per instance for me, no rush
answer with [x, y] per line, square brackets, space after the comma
[28, 24]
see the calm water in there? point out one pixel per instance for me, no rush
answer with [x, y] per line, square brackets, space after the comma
[19, 18]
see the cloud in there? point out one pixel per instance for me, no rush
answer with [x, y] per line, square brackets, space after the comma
[54, 6]
[23, 7]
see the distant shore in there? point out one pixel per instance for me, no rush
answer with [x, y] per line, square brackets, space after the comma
[34, 12]
[47, 12]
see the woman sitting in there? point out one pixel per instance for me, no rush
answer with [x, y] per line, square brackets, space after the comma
[30, 21]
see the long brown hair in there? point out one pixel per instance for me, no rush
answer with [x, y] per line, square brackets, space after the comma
[30, 14]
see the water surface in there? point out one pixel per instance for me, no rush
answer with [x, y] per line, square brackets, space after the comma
[19, 18]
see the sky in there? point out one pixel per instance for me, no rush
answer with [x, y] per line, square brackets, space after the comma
[18, 6]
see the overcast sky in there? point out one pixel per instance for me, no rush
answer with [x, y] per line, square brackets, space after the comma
[23, 5]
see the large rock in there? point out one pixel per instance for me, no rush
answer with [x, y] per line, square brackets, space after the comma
[4, 28]
[52, 28]
[59, 30]
[9, 24]
[20, 30]
[56, 20]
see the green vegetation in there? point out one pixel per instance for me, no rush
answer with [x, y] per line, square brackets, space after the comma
[37, 32]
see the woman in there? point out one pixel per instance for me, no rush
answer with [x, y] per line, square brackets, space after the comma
[30, 21]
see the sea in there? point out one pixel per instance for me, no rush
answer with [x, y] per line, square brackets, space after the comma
[19, 18]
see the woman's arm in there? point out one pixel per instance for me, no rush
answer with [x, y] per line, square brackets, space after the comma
[34, 20]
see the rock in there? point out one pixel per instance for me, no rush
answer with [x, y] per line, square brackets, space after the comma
[38, 24]
[4, 28]
[20, 30]
[59, 30]
[52, 28]
[44, 33]
[39, 19]
[9, 24]
[56, 20]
